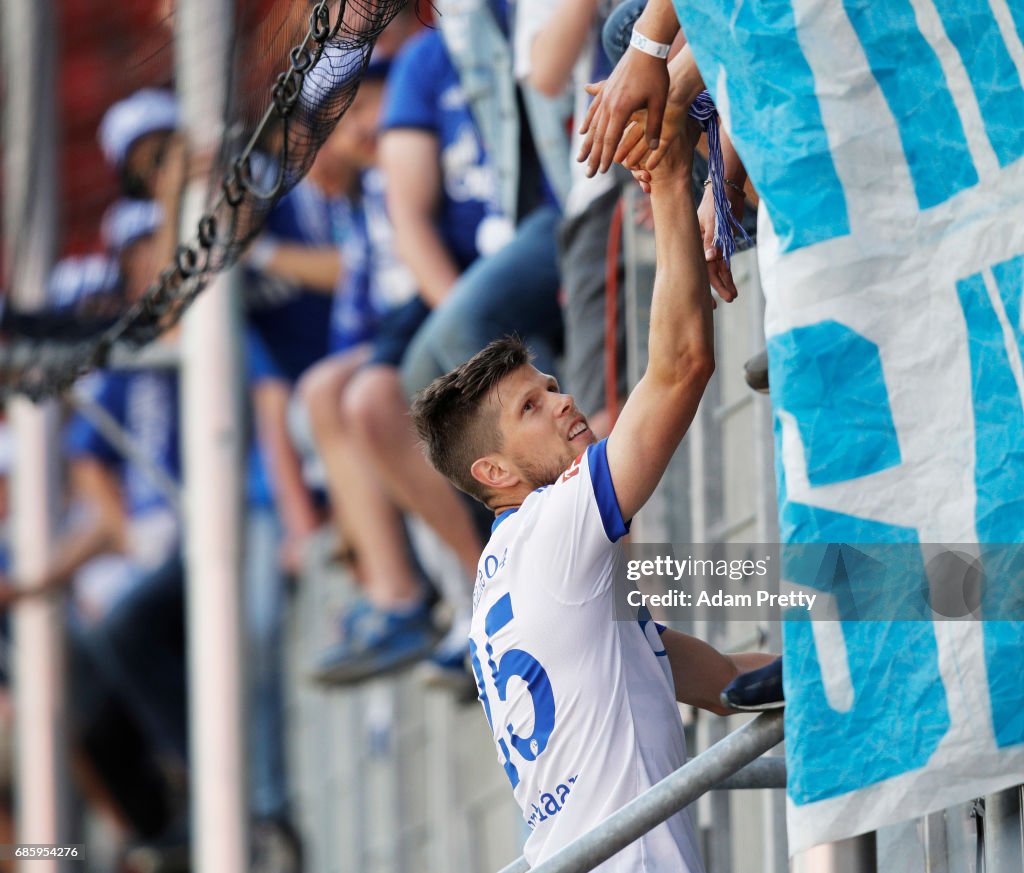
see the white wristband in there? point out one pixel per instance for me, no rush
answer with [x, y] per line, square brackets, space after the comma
[648, 46]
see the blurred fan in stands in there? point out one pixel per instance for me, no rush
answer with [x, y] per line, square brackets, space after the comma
[135, 134]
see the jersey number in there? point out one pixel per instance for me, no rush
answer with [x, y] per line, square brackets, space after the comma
[515, 662]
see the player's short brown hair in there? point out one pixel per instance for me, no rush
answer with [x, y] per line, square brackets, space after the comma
[452, 418]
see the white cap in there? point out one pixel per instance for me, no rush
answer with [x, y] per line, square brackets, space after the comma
[126, 221]
[146, 111]
[338, 67]
[76, 278]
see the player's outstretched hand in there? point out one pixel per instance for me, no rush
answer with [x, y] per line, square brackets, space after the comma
[634, 151]
[719, 271]
[677, 156]
[675, 161]
[638, 81]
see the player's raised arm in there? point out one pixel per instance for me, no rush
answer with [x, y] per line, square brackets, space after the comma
[700, 672]
[681, 354]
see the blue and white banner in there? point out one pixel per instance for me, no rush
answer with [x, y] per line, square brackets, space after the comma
[886, 139]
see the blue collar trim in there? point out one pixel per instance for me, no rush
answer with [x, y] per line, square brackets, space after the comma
[502, 517]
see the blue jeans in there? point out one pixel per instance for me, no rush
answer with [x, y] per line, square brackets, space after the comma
[515, 290]
[264, 623]
[619, 27]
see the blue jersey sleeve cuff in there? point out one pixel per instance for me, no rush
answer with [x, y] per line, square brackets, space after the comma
[259, 362]
[615, 527]
[81, 439]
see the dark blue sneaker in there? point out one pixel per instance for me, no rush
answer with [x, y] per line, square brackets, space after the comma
[375, 642]
[448, 665]
[756, 690]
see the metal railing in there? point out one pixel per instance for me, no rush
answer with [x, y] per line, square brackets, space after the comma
[696, 777]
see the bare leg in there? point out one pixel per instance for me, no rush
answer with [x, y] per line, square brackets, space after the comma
[371, 520]
[377, 406]
[321, 390]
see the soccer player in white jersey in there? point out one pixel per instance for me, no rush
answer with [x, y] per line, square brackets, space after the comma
[583, 708]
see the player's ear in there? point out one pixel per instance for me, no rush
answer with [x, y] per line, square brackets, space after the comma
[493, 473]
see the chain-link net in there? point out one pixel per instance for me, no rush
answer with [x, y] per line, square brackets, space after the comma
[275, 124]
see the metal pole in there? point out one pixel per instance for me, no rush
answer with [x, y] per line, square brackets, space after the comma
[658, 803]
[30, 234]
[855, 855]
[936, 843]
[765, 772]
[1004, 832]
[211, 396]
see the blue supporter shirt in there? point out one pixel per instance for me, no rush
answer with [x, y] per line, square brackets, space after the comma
[259, 492]
[376, 281]
[293, 322]
[259, 365]
[424, 93]
[354, 315]
[145, 405]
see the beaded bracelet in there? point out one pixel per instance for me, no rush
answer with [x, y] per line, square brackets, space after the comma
[730, 183]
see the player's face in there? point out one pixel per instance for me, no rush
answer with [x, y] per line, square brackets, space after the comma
[542, 430]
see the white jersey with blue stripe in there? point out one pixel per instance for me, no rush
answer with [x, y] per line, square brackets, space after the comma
[581, 706]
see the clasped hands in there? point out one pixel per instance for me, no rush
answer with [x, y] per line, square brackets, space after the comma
[635, 119]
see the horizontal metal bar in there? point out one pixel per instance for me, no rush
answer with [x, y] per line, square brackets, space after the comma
[757, 640]
[155, 356]
[726, 530]
[696, 777]
[763, 772]
[721, 413]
